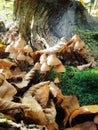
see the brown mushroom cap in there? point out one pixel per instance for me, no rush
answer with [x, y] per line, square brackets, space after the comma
[20, 43]
[78, 45]
[21, 57]
[43, 58]
[28, 49]
[37, 66]
[53, 60]
[10, 48]
[44, 67]
[60, 68]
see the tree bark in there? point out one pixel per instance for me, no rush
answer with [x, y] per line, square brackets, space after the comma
[51, 19]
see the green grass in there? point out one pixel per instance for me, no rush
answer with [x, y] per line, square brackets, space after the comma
[84, 84]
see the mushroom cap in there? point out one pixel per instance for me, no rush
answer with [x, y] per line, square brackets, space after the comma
[9, 48]
[60, 68]
[20, 43]
[21, 57]
[44, 67]
[63, 39]
[28, 48]
[76, 38]
[43, 58]
[57, 80]
[37, 66]
[78, 46]
[29, 60]
[13, 55]
[53, 60]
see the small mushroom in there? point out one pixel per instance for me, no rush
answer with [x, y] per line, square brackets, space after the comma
[21, 57]
[78, 45]
[57, 80]
[29, 60]
[60, 68]
[13, 55]
[28, 49]
[37, 66]
[10, 49]
[53, 60]
[20, 43]
[44, 67]
[76, 38]
[43, 58]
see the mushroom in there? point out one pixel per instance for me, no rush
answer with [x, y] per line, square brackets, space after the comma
[57, 80]
[37, 66]
[13, 55]
[78, 46]
[76, 38]
[21, 57]
[29, 60]
[9, 48]
[60, 68]
[53, 60]
[63, 40]
[28, 49]
[44, 67]
[20, 43]
[43, 58]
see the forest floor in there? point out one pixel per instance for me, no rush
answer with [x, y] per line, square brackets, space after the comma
[83, 84]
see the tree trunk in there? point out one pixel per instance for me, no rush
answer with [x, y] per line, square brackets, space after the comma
[51, 19]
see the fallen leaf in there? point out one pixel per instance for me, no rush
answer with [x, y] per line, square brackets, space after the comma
[89, 109]
[6, 64]
[68, 104]
[42, 95]
[84, 126]
[9, 105]
[34, 112]
[7, 91]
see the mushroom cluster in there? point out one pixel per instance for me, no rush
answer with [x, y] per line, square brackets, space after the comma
[18, 48]
[48, 62]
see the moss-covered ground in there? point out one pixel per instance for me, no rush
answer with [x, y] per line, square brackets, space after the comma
[83, 84]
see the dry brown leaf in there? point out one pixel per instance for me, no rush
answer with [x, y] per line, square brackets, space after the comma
[25, 78]
[8, 74]
[89, 109]
[83, 67]
[50, 112]
[6, 64]
[68, 104]
[9, 105]
[7, 91]
[84, 126]
[35, 112]
[54, 89]
[52, 126]
[42, 95]
[96, 119]
[33, 88]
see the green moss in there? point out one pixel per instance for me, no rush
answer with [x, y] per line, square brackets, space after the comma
[84, 84]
